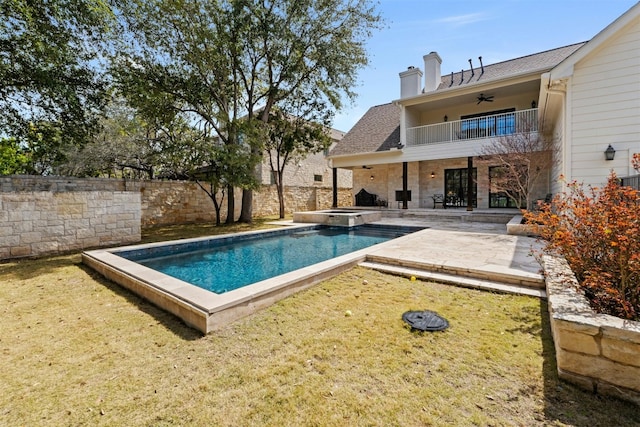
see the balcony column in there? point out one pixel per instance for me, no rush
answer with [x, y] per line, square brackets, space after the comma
[405, 195]
[470, 183]
[334, 203]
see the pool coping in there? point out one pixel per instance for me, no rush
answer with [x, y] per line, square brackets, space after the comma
[207, 311]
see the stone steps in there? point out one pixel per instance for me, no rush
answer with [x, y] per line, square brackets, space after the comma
[476, 279]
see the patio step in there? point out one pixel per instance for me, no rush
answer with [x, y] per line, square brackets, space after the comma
[465, 280]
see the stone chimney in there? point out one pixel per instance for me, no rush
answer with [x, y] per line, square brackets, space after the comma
[410, 82]
[432, 75]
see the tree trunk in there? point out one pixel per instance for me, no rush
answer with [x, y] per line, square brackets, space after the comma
[280, 187]
[246, 214]
[231, 206]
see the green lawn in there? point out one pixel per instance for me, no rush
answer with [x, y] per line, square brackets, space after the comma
[79, 350]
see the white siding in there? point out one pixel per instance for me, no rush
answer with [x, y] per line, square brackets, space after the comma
[605, 108]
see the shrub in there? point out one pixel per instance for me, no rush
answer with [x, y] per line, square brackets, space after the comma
[598, 233]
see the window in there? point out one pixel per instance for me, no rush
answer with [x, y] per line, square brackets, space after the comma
[317, 178]
[492, 123]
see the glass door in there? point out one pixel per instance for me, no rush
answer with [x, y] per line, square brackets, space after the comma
[455, 187]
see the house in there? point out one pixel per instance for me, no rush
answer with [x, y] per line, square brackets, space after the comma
[312, 171]
[583, 98]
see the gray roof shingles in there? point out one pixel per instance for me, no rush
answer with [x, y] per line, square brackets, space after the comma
[535, 62]
[379, 128]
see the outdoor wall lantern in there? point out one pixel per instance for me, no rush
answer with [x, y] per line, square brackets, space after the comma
[446, 118]
[371, 177]
[533, 104]
[609, 153]
[433, 174]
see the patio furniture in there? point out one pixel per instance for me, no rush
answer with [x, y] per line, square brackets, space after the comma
[364, 198]
[438, 199]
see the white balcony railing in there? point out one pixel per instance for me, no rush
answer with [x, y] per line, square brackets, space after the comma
[474, 128]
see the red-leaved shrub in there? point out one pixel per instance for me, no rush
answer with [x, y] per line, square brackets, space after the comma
[598, 233]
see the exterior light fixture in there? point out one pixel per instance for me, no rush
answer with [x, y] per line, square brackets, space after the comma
[433, 174]
[371, 177]
[446, 118]
[533, 104]
[609, 153]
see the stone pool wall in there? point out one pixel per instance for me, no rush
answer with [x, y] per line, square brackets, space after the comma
[597, 352]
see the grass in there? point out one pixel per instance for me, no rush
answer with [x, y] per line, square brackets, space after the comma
[79, 350]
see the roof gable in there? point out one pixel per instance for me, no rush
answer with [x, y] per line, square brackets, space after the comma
[565, 67]
[377, 130]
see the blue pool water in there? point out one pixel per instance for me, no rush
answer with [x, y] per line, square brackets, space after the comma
[221, 265]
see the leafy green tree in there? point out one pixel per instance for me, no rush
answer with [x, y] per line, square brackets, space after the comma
[13, 159]
[220, 62]
[226, 168]
[48, 66]
[292, 138]
[130, 145]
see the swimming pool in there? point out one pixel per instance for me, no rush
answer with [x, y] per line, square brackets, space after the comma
[224, 265]
[205, 310]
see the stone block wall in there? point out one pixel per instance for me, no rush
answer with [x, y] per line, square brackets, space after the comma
[46, 215]
[44, 222]
[265, 202]
[597, 352]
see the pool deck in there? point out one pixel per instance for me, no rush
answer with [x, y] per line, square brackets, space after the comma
[473, 254]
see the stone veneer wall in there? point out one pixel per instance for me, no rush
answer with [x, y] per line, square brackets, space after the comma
[43, 222]
[597, 352]
[26, 198]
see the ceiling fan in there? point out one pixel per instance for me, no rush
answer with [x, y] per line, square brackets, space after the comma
[484, 98]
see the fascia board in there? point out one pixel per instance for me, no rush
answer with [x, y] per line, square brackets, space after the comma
[358, 159]
[472, 88]
[565, 68]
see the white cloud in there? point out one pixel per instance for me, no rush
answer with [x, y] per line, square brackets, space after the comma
[461, 20]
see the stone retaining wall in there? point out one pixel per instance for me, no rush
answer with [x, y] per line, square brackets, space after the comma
[43, 222]
[598, 352]
[23, 198]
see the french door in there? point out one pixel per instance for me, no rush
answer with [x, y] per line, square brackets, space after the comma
[455, 187]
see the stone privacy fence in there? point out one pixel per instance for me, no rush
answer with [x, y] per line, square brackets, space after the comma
[42, 222]
[32, 210]
[597, 352]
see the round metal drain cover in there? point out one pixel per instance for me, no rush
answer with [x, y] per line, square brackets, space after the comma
[425, 320]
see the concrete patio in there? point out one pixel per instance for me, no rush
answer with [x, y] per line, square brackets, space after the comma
[462, 252]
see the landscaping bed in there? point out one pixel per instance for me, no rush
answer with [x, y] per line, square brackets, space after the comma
[598, 352]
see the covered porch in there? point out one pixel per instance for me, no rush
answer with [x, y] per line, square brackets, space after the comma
[463, 183]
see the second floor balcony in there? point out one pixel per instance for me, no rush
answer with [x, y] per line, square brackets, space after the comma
[474, 127]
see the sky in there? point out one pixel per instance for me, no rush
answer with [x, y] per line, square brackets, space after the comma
[458, 30]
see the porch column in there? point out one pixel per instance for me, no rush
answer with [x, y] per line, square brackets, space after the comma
[334, 203]
[469, 183]
[405, 195]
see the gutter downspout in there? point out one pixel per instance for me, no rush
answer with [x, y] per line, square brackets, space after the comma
[559, 87]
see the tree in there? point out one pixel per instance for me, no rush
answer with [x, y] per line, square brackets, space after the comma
[48, 54]
[292, 138]
[13, 159]
[223, 61]
[305, 46]
[523, 159]
[226, 164]
[130, 144]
